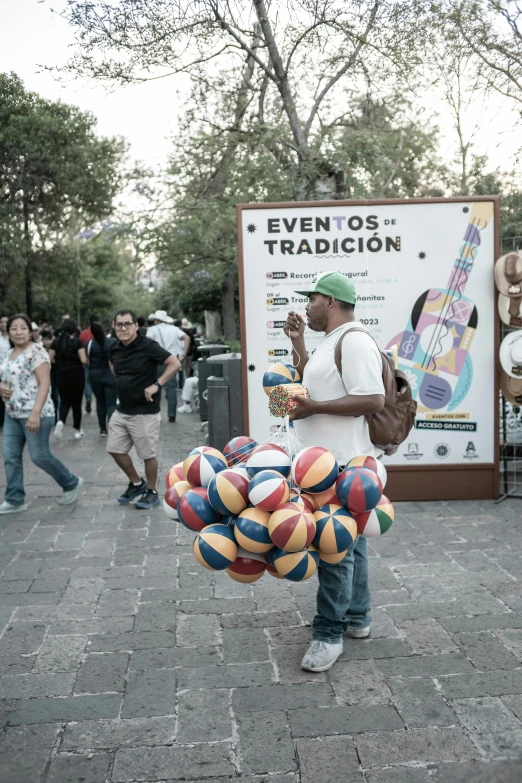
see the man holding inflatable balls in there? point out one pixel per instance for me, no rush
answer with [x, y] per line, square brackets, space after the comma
[334, 418]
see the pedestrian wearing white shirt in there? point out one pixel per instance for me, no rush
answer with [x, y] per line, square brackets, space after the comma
[176, 342]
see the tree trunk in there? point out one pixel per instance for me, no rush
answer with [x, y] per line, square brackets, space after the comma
[213, 324]
[28, 260]
[228, 304]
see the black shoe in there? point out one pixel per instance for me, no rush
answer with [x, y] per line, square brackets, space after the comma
[149, 499]
[172, 419]
[132, 492]
[88, 407]
[103, 433]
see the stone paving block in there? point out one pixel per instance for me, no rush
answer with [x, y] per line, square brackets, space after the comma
[60, 654]
[114, 603]
[25, 686]
[204, 716]
[18, 586]
[261, 620]
[169, 657]
[265, 743]
[425, 665]
[83, 591]
[193, 631]
[177, 763]
[141, 640]
[481, 622]
[282, 697]
[417, 745]
[7, 707]
[29, 599]
[427, 636]
[391, 598]
[71, 708]
[381, 625]
[217, 606]
[46, 614]
[358, 719]
[358, 682]
[106, 734]
[290, 636]
[244, 645]
[102, 673]
[239, 675]
[328, 759]
[171, 594]
[486, 652]
[92, 625]
[71, 769]
[492, 726]
[153, 617]
[477, 772]
[364, 649]
[502, 683]
[399, 775]
[514, 703]
[22, 638]
[150, 693]
[28, 766]
[512, 638]
[16, 664]
[419, 704]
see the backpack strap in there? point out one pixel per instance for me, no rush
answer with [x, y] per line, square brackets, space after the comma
[339, 345]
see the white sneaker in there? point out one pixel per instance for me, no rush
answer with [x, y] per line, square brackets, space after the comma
[185, 408]
[10, 508]
[78, 434]
[358, 633]
[321, 656]
[70, 496]
[58, 430]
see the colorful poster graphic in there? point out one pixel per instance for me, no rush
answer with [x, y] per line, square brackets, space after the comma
[424, 279]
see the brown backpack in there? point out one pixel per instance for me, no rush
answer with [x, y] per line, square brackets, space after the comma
[391, 426]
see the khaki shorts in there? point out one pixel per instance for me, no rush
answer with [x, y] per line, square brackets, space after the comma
[141, 431]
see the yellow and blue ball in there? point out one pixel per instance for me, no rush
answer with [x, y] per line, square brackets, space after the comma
[268, 457]
[336, 530]
[268, 490]
[238, 450]
[215, 547]
[296, 566]
[376, 522]
[228, 492]
[195, 510]
[367, 461]
[279, 373]
[314, 469]
[251, 530]
[358, 489]
[201, 464]
[291, 527]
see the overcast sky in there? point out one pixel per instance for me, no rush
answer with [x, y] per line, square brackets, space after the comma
[146, 114]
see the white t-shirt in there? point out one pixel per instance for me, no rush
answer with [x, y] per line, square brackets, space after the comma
[345, 436]
[19, 374]
[169, 337]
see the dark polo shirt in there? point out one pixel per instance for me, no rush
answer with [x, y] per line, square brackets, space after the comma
[136, 368]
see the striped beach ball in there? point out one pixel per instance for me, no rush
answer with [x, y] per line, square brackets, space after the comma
[376, 522]
[296, 566]
[326, 560]
[291, 528]
[268, 457]
[174, 475]
[201, 464]
[279, 373]
[195, 511]
[251, 530]
[246, 569]
[270, 567]
[323, 498]
[172, 497]
[336, 529]
[314, 469]
[268, 490]
[229, 520]
[215, 547]
[305, 501]
[228, 492]
[366, 461]
[238, 450]
[358, 489]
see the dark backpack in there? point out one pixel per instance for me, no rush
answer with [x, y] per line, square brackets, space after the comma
[391, 426]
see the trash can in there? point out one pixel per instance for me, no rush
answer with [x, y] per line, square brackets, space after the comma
[208, 366]
[225, 400]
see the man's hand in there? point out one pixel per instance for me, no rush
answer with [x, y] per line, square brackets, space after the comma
[149, 391]
[305, 408]
[294, 326]
[5, 391]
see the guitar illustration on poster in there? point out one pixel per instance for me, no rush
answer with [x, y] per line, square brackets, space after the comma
[433, 350]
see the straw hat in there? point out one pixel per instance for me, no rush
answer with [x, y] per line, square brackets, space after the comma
[511, 388]
[161, 315]
[508, 278]
[185, 324]
[511, 354]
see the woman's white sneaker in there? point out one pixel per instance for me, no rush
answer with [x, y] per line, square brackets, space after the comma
[10, 508]
[58, 430]
[321, 656]
[72, 495]
[185, 408]
[78, 434]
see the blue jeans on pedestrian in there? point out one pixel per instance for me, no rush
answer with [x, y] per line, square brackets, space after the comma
[171, 390]
[343, 597]
[14, 439]
[103, 385]
[88, 389]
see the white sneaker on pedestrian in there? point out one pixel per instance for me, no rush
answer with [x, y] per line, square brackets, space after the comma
[58, 430]
[78, 434]
[321, 656]
[10, 508]
[358, 633]
[185, 408]
[70, 496]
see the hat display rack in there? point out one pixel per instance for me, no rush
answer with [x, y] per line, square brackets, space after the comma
[508, 279]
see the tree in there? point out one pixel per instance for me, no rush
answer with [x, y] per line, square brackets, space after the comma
[55, 173]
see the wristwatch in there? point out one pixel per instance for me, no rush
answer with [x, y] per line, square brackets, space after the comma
[158, 384]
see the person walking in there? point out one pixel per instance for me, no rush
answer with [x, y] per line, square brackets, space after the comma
[25, 388]
[334, 417]
[47, 341]
[102, 380]
[4, 350]
[175, 342]
[134, 360]
[68, 352]
[85, 336]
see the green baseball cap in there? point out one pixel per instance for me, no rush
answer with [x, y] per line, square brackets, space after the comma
[332, 284]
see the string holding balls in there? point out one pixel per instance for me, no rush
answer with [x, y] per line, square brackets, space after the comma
[246, 569]
[336, 529]
[326, 560]
[358, 489]
[228, 492]
[251, 530]
[174, 475]
[195, 510]
[376, 522]
[281, 401]
[314, 469]
[238, 450]
[201, 464]
[215, 547]
[291, 528]
[367, 461]
[296, 566]
[172, 497]
[279, 373]
[268, 456]
[268, 490]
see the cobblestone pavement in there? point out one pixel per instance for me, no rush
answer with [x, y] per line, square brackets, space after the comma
[122, 660]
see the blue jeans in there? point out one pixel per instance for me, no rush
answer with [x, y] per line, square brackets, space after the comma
[103, 385]
[343, 597]
[171, 390]
[87, 390]
[14, 440]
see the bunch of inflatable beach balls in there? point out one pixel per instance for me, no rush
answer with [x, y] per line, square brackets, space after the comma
[253, 509]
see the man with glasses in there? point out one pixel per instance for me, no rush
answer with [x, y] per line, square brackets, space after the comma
[134, 360]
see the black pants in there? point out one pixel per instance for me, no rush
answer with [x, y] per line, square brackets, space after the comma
[71, 383]
[103, 385]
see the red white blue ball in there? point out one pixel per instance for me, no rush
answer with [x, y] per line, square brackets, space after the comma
[228, 492]
[201, 464]
[268, 457]
[268, 490]
[314, 469]
[358, 489]
[238, 450]
[195, 510]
